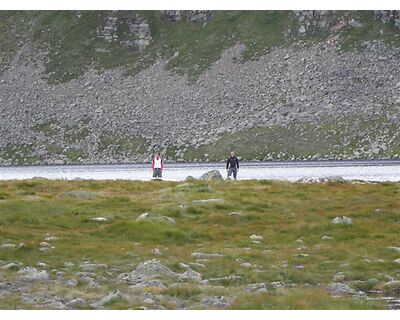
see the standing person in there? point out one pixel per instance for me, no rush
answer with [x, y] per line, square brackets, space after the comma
[157, 166]
[232, 165]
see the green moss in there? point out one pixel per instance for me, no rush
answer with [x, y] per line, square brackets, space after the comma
[54, 149]
[49, 128]
[75, 134]
[21, 154]
[119, 144]
[341, 136]
[75, 154]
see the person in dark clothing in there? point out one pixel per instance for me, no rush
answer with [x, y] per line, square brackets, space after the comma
[232, 165]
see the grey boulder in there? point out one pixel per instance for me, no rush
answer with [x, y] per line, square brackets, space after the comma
[212, 175]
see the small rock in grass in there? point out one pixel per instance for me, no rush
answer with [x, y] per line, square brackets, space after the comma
[50, 238]
[339, 277]
[200, 255]
[45, 244]
[246, 265]
[337, 289]
[301, 255]
[71, 283]
[255, 287]
[76, 302]
[147, 284]
[278, 284]
[235, 214]
[299, 240]
[243, 263]
[98, 219]
[197, 265]
[143, 216]
[148, 301]
[32, 275]
[226, 278]
[327, 238]
[92, 266]
[299, 267]
[206, 201]
[397, 249]
[11, 266]
[5, 286]
[167, 219]
[54, 303]
[113, 295]
[201, 261]
[397, 261]
[69, 264]
[41, 264]
[156, 251]
[184, 266]
[191, 275]
[90, 282]
[7, 246]
[215, 301]
[255, 237]
[342, 220]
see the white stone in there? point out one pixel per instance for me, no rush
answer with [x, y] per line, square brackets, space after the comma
[143, 216]
[98, 219]
[342, 220]
[7, 246]
[255, 237]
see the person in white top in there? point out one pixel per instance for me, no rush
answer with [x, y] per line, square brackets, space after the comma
[157, 166]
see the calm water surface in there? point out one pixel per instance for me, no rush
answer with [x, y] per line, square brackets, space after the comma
[291, 171]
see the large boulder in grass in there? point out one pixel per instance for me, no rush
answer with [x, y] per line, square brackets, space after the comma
[147, 270]
[212, 175]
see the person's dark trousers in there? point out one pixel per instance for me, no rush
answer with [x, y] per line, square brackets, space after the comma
[157, 173]
[232, 170]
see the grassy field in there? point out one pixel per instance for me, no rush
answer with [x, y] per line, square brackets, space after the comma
[292, 218]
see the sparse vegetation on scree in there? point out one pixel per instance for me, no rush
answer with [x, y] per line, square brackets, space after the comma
[273, 245]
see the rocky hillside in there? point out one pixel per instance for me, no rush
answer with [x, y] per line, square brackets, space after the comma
[107, 87]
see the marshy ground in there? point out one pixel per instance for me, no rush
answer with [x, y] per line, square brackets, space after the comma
[244, 245]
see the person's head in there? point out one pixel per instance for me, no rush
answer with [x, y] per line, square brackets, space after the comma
[157, 154]
[232, 153]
